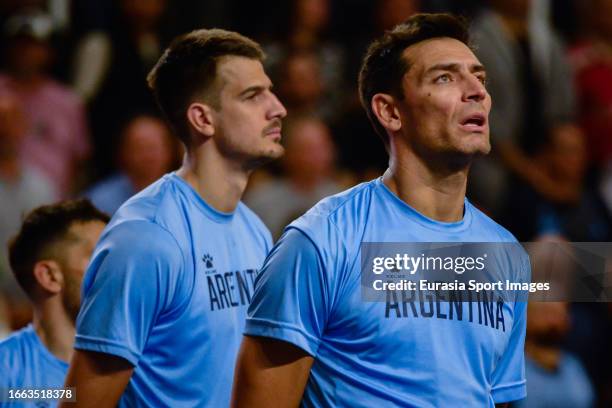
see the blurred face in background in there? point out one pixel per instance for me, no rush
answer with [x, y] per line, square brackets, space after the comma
[547, 322]
[393, 12]
[312, 15]
[310, 152]
[301, 84]
[146, 151]
[12, 124]
[567, 153]
[27, 56]
[143, 13]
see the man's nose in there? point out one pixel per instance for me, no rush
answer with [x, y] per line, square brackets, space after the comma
[475, 90]
[277, 110]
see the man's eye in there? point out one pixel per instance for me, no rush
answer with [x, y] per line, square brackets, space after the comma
[444, 78]
[483, 79]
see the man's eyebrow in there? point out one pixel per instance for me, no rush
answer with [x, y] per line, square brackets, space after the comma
[254, 89]
[454, 67]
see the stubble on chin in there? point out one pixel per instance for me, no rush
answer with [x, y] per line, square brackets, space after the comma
[267, 156]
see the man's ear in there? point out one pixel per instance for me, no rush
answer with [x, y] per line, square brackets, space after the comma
[48, 274]
[385, 109]
[200, 119]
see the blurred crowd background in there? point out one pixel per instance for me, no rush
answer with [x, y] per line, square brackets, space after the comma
[76, 119]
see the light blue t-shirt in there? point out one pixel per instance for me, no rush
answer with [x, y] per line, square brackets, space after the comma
[566, 387]
[167, 289]
[26, 363]
[394, 353]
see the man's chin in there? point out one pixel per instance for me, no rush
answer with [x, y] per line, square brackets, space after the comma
[274, 153]
[480, 148]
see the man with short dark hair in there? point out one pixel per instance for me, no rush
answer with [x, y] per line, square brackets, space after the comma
[310, 336]
[48, 257]
[166, 294]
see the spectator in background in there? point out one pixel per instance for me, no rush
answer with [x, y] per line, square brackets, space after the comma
[530, 214]
[48, 258]
[56, 140]
[555, 378]
[530, 82]
[146, 152]
[110, 71]
[22, 188]
[591, 58]
[301, 86]
[306, 47]
[308, 175]
[359, 146]
[390, 13]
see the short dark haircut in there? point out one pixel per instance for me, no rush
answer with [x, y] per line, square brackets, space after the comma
[384, 67]
[188, 68]
[43, 228]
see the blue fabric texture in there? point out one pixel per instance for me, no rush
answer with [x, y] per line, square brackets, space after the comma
[374, 354]
[167, 290]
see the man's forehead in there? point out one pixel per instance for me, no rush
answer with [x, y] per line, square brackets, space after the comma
[443, 51]
[240, 72]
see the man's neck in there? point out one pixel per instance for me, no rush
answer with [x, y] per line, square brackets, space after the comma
[436, 193]
[219, 181]
[55, 328]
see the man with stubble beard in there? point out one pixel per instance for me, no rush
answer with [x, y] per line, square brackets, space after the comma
[48, 257]
[310, 336]
[166, 294]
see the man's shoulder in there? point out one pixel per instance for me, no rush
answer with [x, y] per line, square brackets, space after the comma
[339, 215]
[252, 220]
[12, 352]
[15, 340]
[149, 203]
[148, 221]
[161, 204]
[490, 230]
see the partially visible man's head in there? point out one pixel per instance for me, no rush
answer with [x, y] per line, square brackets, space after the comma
[211, 84]
[50, 253]
[566, 154]
[146, 150]
[301, 85]
[547, 323]
[310, 150]
[28, 52]
[142, 14]
[421, 80]
[312, 15]
[188, 71]
[389, 13]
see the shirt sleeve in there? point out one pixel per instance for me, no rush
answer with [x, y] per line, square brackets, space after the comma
[508, 383]
[291, 299]
[130, 282]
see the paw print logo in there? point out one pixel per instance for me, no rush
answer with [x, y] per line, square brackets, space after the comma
[208, 260]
